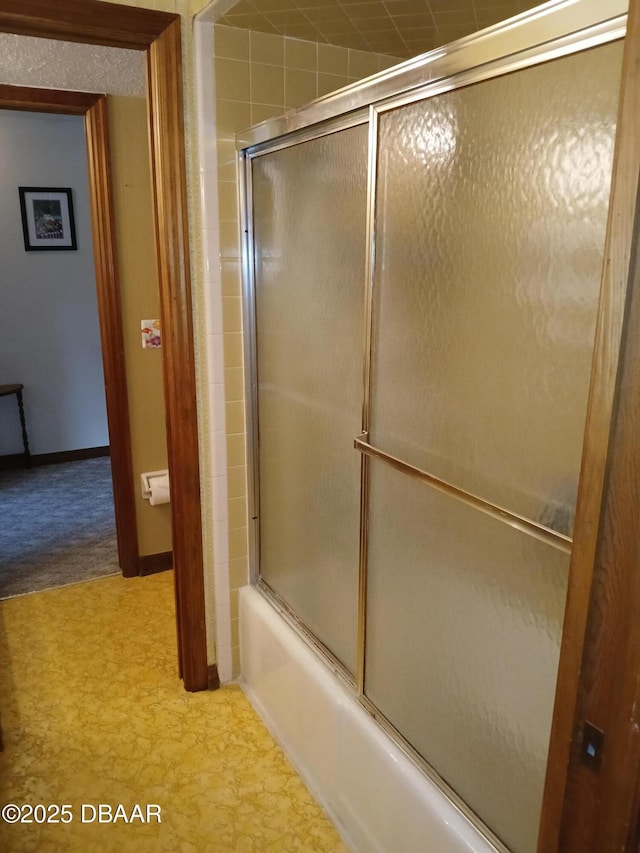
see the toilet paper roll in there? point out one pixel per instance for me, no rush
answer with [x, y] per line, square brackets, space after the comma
[159, 490]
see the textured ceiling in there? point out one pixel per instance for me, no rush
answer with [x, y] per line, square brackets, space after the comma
[27, 61]
[402, 28]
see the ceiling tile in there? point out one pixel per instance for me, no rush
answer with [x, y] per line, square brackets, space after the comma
[325, 13]
[449, 6]
[401, 28]
[498, 13]
[407, 7]
[507, 6]
[424, 45]
[405, 24]
[418, 33]
[270, 6]
[248, 22]
[414, 5]
[310, 4]
[449, 35]
[346, 3]
[487, 18]
[444, 19]
[335, 28]
[371, 25]
[288, 16]
[366, 10]
[243, 7]
[303, 31]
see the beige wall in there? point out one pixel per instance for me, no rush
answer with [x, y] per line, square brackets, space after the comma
[131, 178]
[258, 76]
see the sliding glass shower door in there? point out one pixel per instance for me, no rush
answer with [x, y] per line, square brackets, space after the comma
[309, 207]
[459, 234]
[491, 212]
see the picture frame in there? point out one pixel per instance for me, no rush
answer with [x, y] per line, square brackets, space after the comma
[47, 219]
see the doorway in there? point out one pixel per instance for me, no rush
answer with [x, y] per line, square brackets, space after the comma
[52, 338]
[158, 35]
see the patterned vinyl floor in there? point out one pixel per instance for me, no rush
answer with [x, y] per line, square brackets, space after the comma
[93, 713]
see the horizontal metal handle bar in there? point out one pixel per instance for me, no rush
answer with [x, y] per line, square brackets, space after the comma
[519, 522]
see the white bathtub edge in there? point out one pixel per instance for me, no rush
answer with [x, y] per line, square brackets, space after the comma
[379, 801]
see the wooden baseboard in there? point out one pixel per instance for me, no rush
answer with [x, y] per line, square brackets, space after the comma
[214, 678]
[151, 564]
[16, 460]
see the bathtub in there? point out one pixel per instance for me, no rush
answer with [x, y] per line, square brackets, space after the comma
[377, 798]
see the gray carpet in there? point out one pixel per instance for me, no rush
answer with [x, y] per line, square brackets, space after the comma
[57, 526]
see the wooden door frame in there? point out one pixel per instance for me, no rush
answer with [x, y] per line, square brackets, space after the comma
[591, 805]
[94, 110]
[158, 34]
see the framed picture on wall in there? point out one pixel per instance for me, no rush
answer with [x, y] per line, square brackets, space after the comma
[47, 219]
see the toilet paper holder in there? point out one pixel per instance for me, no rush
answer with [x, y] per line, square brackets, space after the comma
[147, 477]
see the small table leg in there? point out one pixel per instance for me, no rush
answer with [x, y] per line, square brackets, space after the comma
[23, 424]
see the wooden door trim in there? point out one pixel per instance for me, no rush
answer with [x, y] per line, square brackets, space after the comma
[85, 21]
[593, 642]
[600, 805]
[46, 100]
[164, 63]
[93, 108]
[112, 334]
[158, 34]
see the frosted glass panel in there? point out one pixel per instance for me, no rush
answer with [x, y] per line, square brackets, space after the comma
[491, 210]
[310, 244]
[463, 630]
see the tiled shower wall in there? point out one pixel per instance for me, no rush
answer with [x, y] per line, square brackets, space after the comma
[258, 76]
